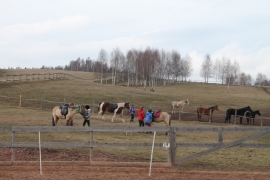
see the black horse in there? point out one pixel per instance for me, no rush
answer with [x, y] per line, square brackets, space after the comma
[251, 115]
[239, 113]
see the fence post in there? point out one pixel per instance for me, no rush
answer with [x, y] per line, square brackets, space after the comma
[12, 149]
[220, 139]
[91, 148]
[235, 117]
[179, 118]
[41, 102]
[261, 120]
[20, 104]
[173, 144]
[210, 116]
[6, 77]
[12, 78]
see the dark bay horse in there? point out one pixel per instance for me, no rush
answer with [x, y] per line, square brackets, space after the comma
[239, 113]
[206, 111]
[251, 115]
[112, 108]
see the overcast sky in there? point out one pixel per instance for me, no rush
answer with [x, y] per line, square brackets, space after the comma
[54, 32]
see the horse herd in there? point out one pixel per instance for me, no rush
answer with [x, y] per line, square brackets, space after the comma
[117, 108]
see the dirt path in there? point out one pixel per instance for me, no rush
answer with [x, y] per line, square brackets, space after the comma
[119, 173]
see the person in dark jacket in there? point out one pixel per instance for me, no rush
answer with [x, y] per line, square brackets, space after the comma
[87, 115]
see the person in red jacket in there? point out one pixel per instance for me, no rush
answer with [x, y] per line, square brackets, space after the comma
[141, 116]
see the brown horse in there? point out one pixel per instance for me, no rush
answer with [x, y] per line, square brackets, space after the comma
[206, 111]
[178, 104]
[72, 110]
[112, 108]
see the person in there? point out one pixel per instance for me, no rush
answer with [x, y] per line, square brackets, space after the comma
[132, 112]
[141, 116]
[87, 115]
[148, 119]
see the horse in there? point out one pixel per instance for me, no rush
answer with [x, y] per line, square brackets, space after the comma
[251, 115]
[239, 113]
[71, 111]
[178, 104]
[112, 108]
[206, 111]
[160, 116]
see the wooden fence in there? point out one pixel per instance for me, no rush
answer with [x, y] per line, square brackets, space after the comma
[172, 143]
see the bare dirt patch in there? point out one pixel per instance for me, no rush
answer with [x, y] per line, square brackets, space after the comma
[101, 172]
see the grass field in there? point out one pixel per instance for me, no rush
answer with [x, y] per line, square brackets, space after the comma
[80, 92]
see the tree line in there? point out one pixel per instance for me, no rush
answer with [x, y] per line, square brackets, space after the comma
[150, 67]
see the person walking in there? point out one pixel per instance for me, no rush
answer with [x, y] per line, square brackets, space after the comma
[132, 112]
[141, 117]
[148, 119]
[87, 115]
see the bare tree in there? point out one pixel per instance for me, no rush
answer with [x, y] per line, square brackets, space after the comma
[186, 68]
[102, 57]
[207, 68]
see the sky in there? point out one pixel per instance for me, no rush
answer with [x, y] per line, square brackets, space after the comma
[34, 33]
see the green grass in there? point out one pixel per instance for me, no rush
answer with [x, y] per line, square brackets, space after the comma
[80, 92]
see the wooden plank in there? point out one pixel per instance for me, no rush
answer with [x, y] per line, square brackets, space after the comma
[223, 146]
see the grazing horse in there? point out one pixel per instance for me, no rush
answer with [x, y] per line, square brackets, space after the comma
[179, 104]
[251, 115]
[239, 113]
[71, 111]
[112, 108]
[206, 111]
[159, 116]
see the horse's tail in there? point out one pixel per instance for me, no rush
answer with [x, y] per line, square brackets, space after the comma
[99, 106]
[170, 120]
[227, 116]
[53, 121]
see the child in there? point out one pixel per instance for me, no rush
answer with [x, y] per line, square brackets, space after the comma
[131, 112]
[87, 115]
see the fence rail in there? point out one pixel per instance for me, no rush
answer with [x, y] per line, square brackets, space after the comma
[172, 138]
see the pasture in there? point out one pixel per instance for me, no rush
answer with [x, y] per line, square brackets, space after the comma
[79, 92]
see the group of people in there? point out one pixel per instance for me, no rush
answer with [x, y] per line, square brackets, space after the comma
[143, 118]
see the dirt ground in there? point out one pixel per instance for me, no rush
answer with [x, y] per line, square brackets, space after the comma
[101, 172]
[119, 173]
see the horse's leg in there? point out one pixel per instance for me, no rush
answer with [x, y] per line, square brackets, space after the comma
[53, 121]
[114, 114]
[121, 115]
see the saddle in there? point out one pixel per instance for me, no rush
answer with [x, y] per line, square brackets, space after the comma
[64, 109]
[113, 106]
[156, 114]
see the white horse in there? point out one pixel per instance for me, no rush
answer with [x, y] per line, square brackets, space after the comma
[180, 104]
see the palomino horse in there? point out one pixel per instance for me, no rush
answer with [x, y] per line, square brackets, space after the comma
[251, 115]
[72, 110]
[238, 112]
[178, 104]
[206, 111]
[112, 108]
[162, 116]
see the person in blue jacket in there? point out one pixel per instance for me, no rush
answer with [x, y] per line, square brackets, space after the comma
[148, 119]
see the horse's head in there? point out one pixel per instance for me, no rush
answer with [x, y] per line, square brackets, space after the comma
[126, 105]
[216, 107]
[257, 112]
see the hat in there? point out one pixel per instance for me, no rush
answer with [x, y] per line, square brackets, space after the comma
[87, 107]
